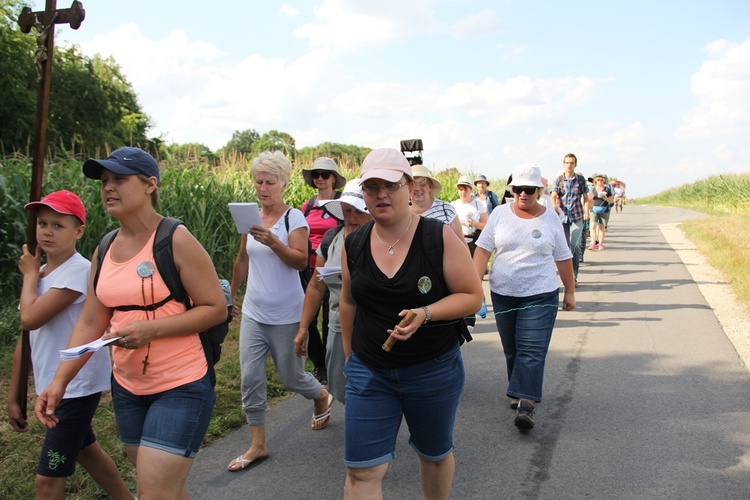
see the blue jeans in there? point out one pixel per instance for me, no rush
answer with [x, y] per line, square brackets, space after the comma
[525, 326]
[426, 395]
[574, 235]
[174, 421]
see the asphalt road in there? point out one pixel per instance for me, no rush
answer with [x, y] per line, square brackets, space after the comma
[644, 397]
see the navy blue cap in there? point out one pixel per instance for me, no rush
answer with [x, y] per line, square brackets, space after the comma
[124, 161]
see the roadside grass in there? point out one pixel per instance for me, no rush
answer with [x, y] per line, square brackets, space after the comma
[722, 237]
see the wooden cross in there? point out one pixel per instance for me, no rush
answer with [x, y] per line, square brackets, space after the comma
[44, 22]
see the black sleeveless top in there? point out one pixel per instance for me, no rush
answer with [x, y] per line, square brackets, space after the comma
[380, 299]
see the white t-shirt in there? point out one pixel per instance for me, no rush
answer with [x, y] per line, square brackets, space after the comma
[472, 210]
[47, 341]
[526, 252]
[274, 293]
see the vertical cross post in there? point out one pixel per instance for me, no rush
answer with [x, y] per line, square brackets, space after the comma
[44, 22]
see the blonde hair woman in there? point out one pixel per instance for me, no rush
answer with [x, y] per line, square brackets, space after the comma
[269, 258]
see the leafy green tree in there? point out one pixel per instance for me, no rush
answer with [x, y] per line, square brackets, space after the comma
[242, 142]
[92, 105]
[274, 140]
[17, 80]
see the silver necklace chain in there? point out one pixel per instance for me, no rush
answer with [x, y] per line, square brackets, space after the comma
[390, 247]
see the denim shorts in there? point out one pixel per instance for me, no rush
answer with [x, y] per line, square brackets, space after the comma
[73, 432]
[174, 421]
[426, 395]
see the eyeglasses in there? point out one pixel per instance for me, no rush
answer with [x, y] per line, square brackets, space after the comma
[422, 182]
[389, 187]
[525, 189]
[321, 174]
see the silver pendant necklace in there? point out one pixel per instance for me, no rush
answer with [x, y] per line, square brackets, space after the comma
[390, 247]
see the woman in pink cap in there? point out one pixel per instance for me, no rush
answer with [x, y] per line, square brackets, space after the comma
[397, 265]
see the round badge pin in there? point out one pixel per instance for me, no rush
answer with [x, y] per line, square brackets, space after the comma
[145, 269]
[536, 233]
[424, 285]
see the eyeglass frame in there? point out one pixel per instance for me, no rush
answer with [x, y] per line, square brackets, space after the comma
[388, 187]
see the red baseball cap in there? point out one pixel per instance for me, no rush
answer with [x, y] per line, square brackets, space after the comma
[63, 202]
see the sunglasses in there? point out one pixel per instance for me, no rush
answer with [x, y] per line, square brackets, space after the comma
[525, 189]
[318, 174]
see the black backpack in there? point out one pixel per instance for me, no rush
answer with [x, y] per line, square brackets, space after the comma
[432, 240]
[211, 338]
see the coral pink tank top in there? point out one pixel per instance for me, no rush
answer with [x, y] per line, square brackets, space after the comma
[173, 361]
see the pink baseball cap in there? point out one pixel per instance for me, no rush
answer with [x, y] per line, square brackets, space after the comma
[63, 202]
[386, 163]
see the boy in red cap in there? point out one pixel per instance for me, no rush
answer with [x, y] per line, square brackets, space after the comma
[52, 297]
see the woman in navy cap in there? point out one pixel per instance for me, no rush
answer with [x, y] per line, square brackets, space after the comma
[161, 390]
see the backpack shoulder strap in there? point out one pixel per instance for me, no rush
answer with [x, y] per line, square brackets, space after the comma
[104, 245]
[432, 238]
[164, 258]
[355, 244]
[337, 195]
[308, 206]
[327, 239]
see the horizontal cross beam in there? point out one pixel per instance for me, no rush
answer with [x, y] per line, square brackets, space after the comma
[73, 16]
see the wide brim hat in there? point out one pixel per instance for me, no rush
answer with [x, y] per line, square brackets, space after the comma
[464, 180]
[324, 164]
[124, 161]
[385, 163]
[422, 171]
[527, 174]
[63, 202]
[352, 195]
[481, 178]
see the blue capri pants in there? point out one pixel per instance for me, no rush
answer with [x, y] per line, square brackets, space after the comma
[426, 395]
[525, 325]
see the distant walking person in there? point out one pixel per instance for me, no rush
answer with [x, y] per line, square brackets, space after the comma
[530, 250]
[569, 193]
[619, 196]
[599, 216]
[481, 193]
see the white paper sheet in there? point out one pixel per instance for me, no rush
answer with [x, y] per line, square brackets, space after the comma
[245, 215]
[77, 352]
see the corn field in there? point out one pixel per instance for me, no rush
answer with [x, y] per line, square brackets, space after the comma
[718, 194]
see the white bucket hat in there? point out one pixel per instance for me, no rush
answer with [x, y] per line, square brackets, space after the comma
[527, 174]
[352, 195]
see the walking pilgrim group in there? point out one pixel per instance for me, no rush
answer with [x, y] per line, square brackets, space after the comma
[393, 318]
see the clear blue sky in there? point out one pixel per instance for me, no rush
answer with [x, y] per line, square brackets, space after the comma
[656, 93]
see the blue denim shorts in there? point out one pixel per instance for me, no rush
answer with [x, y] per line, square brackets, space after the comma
[426, 395]
[73, 432]
[174, 421]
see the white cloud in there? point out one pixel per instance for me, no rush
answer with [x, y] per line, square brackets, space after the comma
[473, 25]
[722, 86]
[287, 11]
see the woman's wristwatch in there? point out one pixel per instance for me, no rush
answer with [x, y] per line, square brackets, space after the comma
[427, 315]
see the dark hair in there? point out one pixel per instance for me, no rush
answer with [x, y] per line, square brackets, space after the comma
[571, 155]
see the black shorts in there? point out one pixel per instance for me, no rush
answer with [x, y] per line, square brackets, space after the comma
[73, 432]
